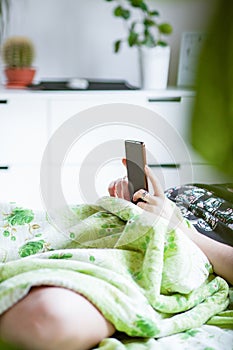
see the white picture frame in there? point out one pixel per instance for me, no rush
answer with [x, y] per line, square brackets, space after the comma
[191, 44]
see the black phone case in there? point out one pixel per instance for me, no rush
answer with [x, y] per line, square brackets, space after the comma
[135, 161]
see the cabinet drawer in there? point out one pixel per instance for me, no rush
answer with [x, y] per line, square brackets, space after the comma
[61, 110]
[23, 130]
[96, 146]
[81, 183]
[162, 138]
[85, 183]
[21, 184]
[185, 174]
[177, 112]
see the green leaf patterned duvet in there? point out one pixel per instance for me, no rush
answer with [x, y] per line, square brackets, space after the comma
[151, 282]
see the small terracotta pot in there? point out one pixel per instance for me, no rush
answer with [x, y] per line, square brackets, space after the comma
[19, 78]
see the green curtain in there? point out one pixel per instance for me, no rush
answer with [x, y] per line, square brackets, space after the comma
[212, 121]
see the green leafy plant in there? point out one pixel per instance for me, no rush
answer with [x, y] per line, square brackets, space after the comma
[18, 52]
[142, 30]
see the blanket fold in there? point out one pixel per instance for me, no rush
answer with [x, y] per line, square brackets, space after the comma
[150, 281]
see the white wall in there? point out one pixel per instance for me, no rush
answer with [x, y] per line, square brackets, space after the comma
[74, 38]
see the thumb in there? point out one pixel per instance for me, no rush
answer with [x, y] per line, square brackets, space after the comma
[158, 190]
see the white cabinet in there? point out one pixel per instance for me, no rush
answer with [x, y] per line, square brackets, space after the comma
[29, 121]
[188, 173]
[61, 109]
[23, 137]
[23, 130]
[180, 164]
[161, 134]
[176, 110]
[21, 184]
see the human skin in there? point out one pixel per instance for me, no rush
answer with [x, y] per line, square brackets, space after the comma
[50, 318]
[220, 255]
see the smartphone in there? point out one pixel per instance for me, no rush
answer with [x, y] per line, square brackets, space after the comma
[135, 152]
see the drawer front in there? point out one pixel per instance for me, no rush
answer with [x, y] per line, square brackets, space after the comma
[79, 183]
[177, 112]
[62, 110]
[23, 131]
[85, 183]
[163, 139]
[186, 174]
[21, 184]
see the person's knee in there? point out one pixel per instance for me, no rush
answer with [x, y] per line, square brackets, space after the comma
[66, 320]
[54, 318]
[49, 323]
[37, 322]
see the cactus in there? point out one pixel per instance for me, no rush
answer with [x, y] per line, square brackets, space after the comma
[18, 52]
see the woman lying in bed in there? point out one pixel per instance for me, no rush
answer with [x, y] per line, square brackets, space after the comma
[51, 317]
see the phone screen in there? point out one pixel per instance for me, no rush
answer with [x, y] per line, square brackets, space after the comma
[135, 161]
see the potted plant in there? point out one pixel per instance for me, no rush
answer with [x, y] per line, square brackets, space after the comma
[146, 33]
[18, 55]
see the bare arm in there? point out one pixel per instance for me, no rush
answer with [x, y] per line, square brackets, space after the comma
[220, 255]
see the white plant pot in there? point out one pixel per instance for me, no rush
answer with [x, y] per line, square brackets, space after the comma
[154, 67]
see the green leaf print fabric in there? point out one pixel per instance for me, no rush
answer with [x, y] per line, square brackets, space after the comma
[150, 281]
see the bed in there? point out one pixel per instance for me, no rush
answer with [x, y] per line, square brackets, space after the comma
[151, 282]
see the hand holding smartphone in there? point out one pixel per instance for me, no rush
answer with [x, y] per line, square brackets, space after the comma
[135, 162]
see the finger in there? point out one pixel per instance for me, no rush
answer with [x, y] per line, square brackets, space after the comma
[146, 206]
[151, 208]
[124, 161]
[145, 196]
[112, 189]
[158, 190]
[120, 188]
[125, 188]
